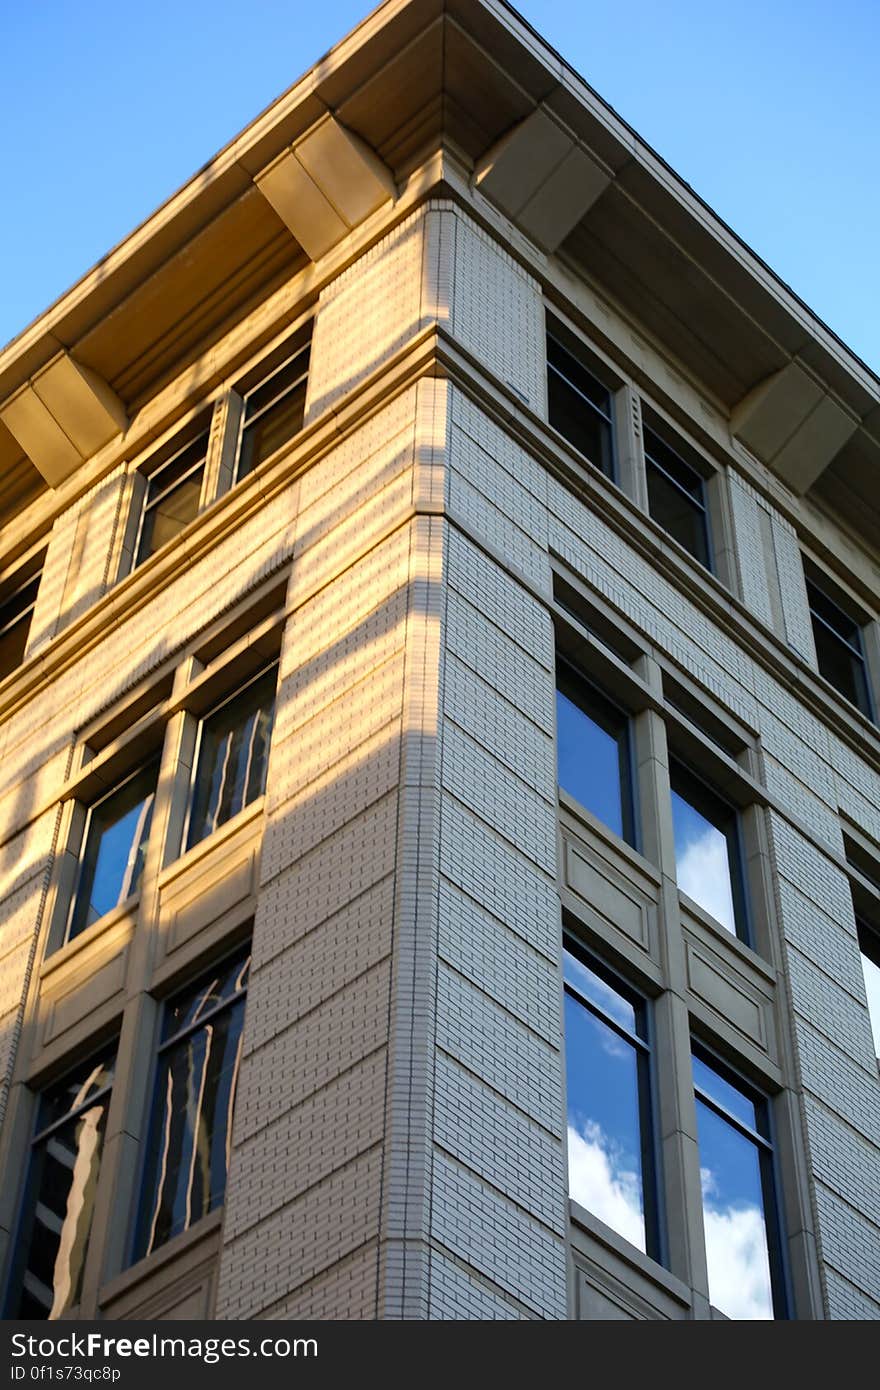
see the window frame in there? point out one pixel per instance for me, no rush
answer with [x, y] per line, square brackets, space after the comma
[575, 348]
[704, 794]
[151, 469]
[17, 1264]
[701, 504]
[237, 688]
[820, 585]
[644, 1045]
[300, 343]
[616, 722]
[31, 572]
[768, 1151]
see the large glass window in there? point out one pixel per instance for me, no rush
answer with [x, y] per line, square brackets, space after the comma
[114, 845]
[708, 861]
[610, 1167]
[65, 1160]
[579, 406]
[593, 752]
[739, 1206]
[839, 651]
[172, 497]
[677, 497]
[16, 611]
[273, 411]
[233, 755]
[190, 1132]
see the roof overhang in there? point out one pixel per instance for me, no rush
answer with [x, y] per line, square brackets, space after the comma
[473, 76]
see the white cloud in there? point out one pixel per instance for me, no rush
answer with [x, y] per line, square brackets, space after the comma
[703, 872]
[599, 1181]
[736, 1251]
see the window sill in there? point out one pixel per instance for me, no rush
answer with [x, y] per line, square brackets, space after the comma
[583, 1220]
[170, 1251]
[619, 848]
[210, 844]
[719, 933]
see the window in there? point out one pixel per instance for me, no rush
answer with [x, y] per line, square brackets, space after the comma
[708, 859]
[115, 840]
[739, 1206]
[65, 1160]
[840, 652]
[16, 612]
[869, 945]
[233, 753]
[274, 409]
[610, 1167]
[187, 1150]
[579, 405]
[677, 497]
[593, 752]
[172, 497]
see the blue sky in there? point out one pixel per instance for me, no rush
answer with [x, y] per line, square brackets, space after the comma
[770, 109]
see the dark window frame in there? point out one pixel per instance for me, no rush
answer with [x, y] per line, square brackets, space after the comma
[302, 348]
[231, 694]
[153, 472]
[70, 934]
[853, 644]
[613, 720]
[695, 495]
[606, 417]
[764, 1139]
[163, 1045]
[41, 1134]
[708, 802]
[12, 612]
[643, 1044]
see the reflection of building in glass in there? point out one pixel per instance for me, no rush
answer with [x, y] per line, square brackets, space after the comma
[438, 660]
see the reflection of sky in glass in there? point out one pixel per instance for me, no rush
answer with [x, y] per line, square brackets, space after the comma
[604, 1142]
[872, 987]
[702, 864]
[726, 1094]
[592, 987]
[733, 1218]
[589, 763]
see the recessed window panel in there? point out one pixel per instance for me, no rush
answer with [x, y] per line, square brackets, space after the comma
[112, 860]
[172, 497]
[839, 651]
[739, 1217]
[65, 1161]
[190, 1132]
[16, 613]
[579, 406]
[592, 753]
[273, 412]
[608, 1123]
[707, 859]
[677, 497]
[233, 756]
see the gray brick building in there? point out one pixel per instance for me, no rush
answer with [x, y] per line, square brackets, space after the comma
[439, 812]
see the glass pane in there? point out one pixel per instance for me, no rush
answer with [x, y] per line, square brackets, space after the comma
[734, 1219]
[233, 756]
[678, 513]
[725, 1093]
[13, 640]
[116, 842]
[702, 861]
[872, 988]
[73, 1092]
[229, 980]
[594, 988]
[190, 1135]
[282, 401]
[843, 667]
[589, 760]
[167, 518]
[60, 1198]
[604, 1131]
[579, 406]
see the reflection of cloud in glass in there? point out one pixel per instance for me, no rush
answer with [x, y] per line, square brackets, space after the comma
[598, 1180]
[872, 989]
[736, 1253]
[703, 871]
